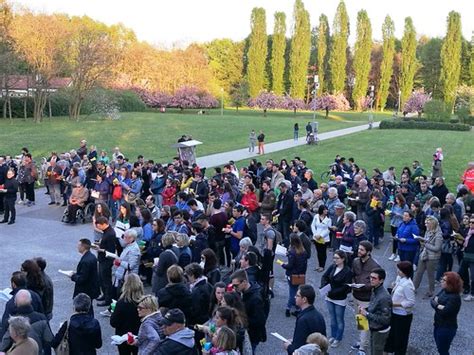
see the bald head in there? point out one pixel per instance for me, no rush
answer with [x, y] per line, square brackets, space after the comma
[23, 298]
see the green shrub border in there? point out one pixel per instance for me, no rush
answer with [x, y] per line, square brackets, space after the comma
[441, 126]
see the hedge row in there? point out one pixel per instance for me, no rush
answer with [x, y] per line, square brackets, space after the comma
[126, 101]
[441, 126]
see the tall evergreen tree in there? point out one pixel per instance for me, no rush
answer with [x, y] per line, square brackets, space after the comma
[451, 59]
[300, 50]
[409, 64]
[429, 54]
[386, 67]
[361, 64]
[278, 53]
[472, 59]
[338, 58]
[257, 52]
[322, 45]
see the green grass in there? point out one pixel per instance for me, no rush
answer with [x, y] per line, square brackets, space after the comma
[384, 148]
[153, 133]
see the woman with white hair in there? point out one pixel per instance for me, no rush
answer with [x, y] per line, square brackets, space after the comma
[22, 344]
[129, 259]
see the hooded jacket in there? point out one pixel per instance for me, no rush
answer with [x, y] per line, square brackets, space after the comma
[179, 343]
[150, 334]
[176, 296]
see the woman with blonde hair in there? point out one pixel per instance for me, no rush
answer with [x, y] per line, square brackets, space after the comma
[150, 333]
[224, 342]
[125, 316]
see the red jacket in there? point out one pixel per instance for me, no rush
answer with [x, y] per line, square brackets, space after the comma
[249, 200]
[169, 196]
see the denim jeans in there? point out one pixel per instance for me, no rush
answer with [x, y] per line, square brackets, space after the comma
[443, 338]
[291, 294]
[445, 264]
[465, 268]
[336, 312]
[406, 255]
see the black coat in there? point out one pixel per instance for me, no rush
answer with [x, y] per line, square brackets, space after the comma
[254, 308]
[446, 318]
[11, 185]
[285, 205]
[308, 321]
[107, 242]
[167, 258]
[84, 335]
[339, 288]
[176, 296]
[125, 318]
[86, 276]
[201, 297]
[213, 276]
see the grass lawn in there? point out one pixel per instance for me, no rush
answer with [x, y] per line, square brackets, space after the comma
[384, 148]
[153, 133]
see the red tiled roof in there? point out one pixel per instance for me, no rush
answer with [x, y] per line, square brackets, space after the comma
[20, 82]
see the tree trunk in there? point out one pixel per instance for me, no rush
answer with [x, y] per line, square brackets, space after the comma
[25, 103]
[49, 106]
[327, 113]
[5, 108]
[9, 107]
[40, 100]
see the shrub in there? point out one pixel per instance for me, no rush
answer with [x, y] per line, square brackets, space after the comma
[412, 124]
[265, 101]
[437, 110]
[416, 102]
[469, 120]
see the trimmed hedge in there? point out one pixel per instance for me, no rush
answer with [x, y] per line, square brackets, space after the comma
[128, 101]
[441, 126]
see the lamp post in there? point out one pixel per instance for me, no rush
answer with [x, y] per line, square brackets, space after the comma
[399, 98]
[315, 91]
[222, 101]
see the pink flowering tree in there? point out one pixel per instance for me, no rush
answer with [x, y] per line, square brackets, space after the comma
[364, 103]
[329, 102]
[265, 101]
[289, 103]
[192, 97]
[416, 102]
[154, 99]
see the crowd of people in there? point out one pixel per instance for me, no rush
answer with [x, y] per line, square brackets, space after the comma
[206, 248]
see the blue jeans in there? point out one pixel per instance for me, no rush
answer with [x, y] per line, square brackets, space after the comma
[445, 264]
[291, 294]
[375, 233]
[407, 255]
[443, 338]
[336, 313]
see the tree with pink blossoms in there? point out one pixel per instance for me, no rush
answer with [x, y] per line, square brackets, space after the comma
[289, 103]
[265, 101]
[329, 102]
[154, 99]
[192, 97]
[416, 102]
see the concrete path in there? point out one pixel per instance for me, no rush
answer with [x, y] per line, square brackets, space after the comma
[212, 160]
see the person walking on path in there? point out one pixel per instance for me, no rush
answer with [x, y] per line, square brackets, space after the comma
[252, 141]
[261, 143]
[296, 129]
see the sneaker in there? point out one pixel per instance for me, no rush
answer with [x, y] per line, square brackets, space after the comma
[361, 352]
[106, 313]
[414, 267]
[335, 344]
[331, 340]
[20, 202]
[392, 257]
[397, 259]
[469, 298]
[356, 346]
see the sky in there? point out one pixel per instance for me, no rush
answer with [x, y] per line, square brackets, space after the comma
[170, 23]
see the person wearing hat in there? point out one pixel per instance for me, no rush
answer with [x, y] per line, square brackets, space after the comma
[179, 339]
[82, 150]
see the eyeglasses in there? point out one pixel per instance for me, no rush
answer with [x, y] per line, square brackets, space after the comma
[471, 222]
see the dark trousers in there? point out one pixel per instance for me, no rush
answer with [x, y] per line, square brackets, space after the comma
[321, 250]
[125, 349]
[105, 279]
[445, 264]
[397, 341]
[443, 338]
[407, 255]
[72, 211]
[2, 208]
[10, 211]
[29, 191]
[284, 227]
[465, 268]
[375, 233]
[393, 230]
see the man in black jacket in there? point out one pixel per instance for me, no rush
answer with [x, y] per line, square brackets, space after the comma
[308, 321]
[48, 293]
[86, 277]
[200, 188]
[254, 307]
[18, 282]
[107, 244]
[284, 211]
[8, 194]
[179, 339]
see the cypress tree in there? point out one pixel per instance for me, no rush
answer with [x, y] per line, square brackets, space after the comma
[257, 52]
[322, 54]
[472, 59]
[451, 59]
[338, 58]
[361, 64]
[278, 53]
[300, 50]
[409, 63]
[386, 67]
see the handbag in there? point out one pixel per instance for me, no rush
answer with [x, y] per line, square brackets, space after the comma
[117, 193]
[63, 347]
[297, 280]
[447, 247]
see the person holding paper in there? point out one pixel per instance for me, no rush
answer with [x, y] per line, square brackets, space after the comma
[86, 278]
[308, 321]
[107, 243]
[336, 279]
[407, 244]
[320, 228]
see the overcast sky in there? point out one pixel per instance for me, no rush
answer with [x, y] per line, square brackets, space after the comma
[168, 22]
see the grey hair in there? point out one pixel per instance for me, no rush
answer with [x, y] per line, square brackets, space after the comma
[82, 303]
[23, 298]
[332, 190]
[451, 195]
[20, 326]
[351, 216]
[360, 224]
[245, 242]
[183, 239]
[131, 233]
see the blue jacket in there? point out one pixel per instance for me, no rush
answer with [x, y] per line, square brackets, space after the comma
[406, 230]
[308, 321]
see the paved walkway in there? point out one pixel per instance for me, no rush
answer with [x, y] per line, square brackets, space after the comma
[218, 159]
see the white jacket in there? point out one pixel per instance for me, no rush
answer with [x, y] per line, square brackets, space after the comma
[321, 227]
[403, 293]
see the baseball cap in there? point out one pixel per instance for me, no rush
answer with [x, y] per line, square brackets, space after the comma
[174, 315]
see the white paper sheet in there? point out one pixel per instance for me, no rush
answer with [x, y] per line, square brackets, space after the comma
[278, 336]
